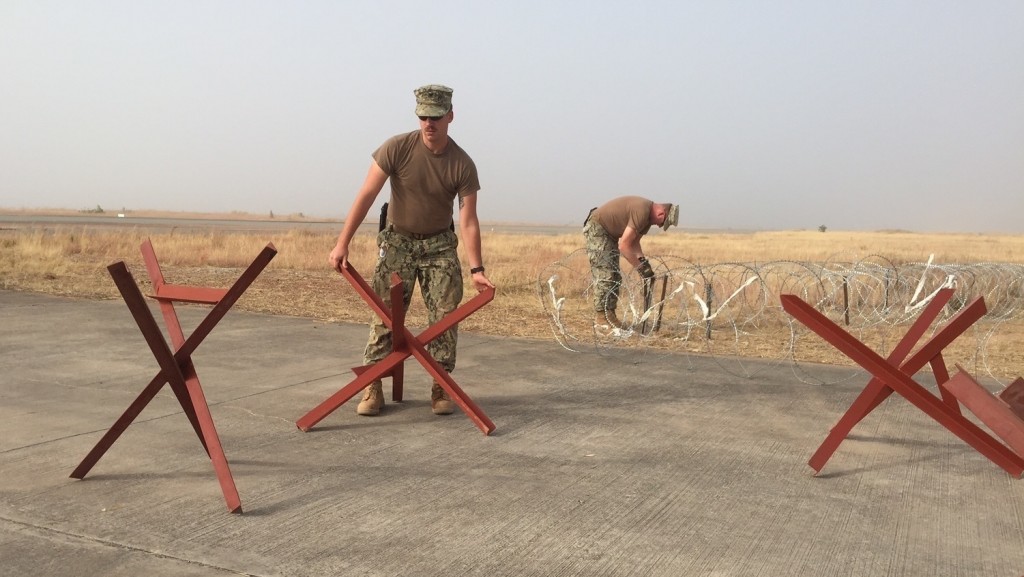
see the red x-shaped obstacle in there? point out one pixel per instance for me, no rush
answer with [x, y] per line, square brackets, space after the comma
[176, 368]
[894, 374]
[404, 344]
[1001, 414]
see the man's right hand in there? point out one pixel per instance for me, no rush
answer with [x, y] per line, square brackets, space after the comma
[339, 257]
[645, 270]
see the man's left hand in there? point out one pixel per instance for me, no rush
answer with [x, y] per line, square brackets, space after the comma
[481, 282]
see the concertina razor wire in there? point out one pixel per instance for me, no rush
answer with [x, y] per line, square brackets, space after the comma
[731, 311]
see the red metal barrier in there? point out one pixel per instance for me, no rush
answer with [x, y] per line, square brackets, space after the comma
[895, 375]
[176, 369]
[404, 344]
[990, 410]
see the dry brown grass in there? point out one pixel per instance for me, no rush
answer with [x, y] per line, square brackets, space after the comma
[72, 261]
[813, 246]
[149, 213]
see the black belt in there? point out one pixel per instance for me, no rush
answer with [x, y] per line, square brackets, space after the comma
[416, 235]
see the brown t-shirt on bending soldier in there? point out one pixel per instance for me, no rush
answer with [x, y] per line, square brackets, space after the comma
[423, 184]
[615, 215]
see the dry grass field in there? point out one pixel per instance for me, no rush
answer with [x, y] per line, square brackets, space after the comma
[71, 261]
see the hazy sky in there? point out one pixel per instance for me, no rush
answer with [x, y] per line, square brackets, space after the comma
[774, 114]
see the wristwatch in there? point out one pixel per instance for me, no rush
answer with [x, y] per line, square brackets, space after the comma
[476, 269]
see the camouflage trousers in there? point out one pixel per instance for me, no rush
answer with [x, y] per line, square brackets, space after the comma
[603, 252]
[434, 264]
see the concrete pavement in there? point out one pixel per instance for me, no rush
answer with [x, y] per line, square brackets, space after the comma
[654, 465]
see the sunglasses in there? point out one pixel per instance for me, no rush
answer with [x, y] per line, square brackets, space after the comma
[434, 118]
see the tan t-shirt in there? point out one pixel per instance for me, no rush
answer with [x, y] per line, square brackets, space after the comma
[616, 214]
[423, 184]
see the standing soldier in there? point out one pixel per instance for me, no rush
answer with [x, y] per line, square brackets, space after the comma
[428, 171]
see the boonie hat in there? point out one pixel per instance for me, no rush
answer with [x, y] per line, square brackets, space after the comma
[671, 217]
[433, 100]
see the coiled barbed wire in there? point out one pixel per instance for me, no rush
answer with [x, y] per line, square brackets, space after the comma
[732, 312]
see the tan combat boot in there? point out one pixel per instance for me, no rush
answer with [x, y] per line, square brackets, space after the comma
[440, 402]
[606, 322]
[373, 399]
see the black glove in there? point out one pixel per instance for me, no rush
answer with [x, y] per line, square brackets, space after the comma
[645, 269]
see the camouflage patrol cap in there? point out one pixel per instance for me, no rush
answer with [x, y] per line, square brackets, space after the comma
[671, 217]
[433, 100]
